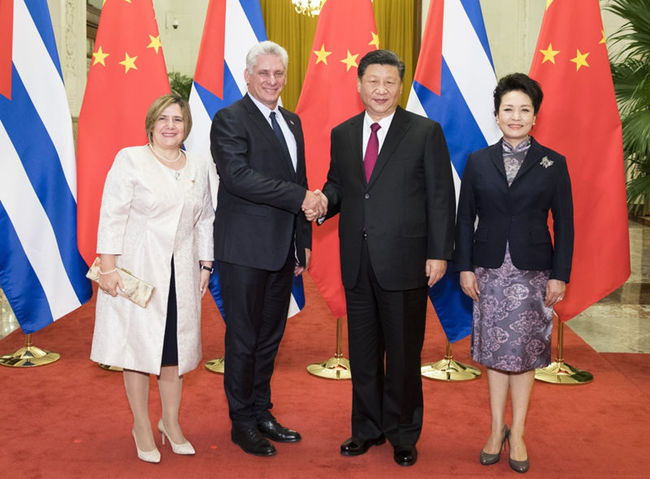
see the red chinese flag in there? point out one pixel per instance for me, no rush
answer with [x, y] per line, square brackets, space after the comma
[345, 32]
[579, 118]
[127, 73]
[6, 42]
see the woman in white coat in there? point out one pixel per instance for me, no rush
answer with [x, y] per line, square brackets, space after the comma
[155, 221]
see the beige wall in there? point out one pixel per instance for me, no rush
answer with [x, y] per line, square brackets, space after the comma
[69, 25]
[181, 44]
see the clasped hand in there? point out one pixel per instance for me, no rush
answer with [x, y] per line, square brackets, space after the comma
[314, 205]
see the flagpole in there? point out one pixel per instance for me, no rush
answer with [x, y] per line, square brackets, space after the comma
[448, 369]
[336, 367]
[559, 372]
[29, 356]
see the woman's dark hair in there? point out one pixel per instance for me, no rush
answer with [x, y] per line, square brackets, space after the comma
[380, 57]
[518, 82]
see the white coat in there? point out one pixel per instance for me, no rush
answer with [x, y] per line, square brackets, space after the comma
[146, 216]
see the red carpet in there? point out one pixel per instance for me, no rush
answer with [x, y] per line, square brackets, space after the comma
[71, 418]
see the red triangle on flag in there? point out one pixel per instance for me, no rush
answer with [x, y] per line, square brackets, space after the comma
[6, 41]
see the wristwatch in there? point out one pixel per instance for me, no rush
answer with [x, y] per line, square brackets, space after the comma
[207, 268]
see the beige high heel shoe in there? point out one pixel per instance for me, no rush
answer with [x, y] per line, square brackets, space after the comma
[152, 456]
[184, 448]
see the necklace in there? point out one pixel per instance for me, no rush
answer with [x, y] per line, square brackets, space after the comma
[180, 153]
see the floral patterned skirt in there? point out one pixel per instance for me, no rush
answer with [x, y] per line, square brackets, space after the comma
[511, 328]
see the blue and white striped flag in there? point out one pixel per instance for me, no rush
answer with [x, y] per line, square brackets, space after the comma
[453, 85]
[231, 28]
[41, 271]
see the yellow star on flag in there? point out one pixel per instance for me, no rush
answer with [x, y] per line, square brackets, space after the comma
[580, 60]
[99, 56]
[155, 42]
[128, 62]
[549, 54]
[375, 40]
[321, 55]
[548, 3]
[604, 39]
[350, 61]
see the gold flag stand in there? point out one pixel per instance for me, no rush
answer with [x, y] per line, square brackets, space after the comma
[448, 369]
[29, 356]
[107, 367]
[559, 372]
[217, 365]
[336, 367]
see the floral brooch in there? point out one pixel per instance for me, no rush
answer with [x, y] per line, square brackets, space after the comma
[546, 162]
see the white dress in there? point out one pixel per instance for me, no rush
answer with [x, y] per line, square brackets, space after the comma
[146, 216]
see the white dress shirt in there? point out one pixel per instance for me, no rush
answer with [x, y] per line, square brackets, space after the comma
[288, 136]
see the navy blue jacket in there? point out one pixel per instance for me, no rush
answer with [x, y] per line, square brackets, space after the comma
[260, 195]
[517, 214]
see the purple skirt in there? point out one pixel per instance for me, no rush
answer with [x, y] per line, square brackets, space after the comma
[511, 327]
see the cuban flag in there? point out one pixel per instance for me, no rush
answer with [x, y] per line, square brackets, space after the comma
[41, 270]
[453, 84]
[231, 28]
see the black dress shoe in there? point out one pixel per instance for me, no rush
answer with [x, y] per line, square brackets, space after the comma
[251, 441]
[405, 455]
[276, 432]
[356, 447]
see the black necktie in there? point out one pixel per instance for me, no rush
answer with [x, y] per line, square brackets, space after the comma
[278, 132]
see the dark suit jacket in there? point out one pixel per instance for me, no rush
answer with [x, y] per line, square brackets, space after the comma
[260, 194]
[407, 209]
[517, 214]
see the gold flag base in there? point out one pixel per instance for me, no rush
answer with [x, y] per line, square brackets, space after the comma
[559, 372]
[448, 369]
[107, 367]
[336, 367]
[217, 366]
[29, 356]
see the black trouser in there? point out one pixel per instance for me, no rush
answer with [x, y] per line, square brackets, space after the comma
[256, 303]
[386, 399]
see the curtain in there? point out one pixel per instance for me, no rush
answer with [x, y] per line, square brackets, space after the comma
[398, 26]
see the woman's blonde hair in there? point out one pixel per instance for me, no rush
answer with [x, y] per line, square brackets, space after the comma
[159, 105]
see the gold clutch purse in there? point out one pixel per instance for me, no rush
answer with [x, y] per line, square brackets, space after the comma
[135, 289]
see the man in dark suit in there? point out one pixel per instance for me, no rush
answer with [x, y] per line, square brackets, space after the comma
[260, 240]
[390, 179]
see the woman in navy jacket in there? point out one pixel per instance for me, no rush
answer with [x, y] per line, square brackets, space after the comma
[509, 265]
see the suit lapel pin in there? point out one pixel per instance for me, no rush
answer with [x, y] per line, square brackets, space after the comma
[546, 162]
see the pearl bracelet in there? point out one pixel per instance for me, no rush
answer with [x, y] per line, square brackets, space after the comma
[108, 272]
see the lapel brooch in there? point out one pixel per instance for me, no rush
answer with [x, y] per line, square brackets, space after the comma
[546, 162]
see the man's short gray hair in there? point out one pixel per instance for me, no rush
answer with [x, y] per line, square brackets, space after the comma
[265, 48]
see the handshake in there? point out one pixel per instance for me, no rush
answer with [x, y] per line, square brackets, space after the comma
[314, 205]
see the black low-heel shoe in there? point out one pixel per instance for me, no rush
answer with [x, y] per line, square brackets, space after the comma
[489, 459]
